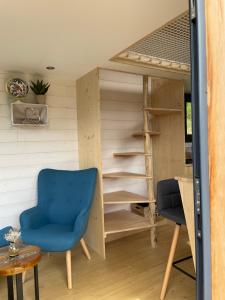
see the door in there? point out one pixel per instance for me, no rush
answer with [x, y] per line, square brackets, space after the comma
[200, 149]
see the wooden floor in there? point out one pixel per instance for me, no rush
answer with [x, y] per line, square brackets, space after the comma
[132, 271]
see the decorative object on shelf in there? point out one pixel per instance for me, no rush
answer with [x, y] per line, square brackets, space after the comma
[40, 89]
[32, 115]
[17, 88]
[13, 237]
[27, 114]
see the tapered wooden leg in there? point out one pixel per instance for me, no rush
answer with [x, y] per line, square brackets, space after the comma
[170, 261]
[69, 270]
[85, 249]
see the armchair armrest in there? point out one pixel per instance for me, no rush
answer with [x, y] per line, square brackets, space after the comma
[32, 218]
[81, 222]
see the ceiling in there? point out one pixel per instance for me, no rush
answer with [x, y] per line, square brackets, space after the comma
[75, 36]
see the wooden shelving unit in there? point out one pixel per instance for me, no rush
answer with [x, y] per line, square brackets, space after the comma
[128, 175]
[143, 133]
[162, 111]
[128, 154]
[120, 197]
[157, 132]
[123, 220]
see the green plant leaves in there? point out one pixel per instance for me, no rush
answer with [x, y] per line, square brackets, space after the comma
[39, 88]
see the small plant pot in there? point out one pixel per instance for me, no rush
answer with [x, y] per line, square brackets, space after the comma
[41, 99]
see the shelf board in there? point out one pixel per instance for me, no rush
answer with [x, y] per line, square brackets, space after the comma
[123, 220]
[126, 175]
[142, 133]
[127, 154]
[162, 111]
[124, 197]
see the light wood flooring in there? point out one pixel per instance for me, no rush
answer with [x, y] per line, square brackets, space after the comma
[132, 271]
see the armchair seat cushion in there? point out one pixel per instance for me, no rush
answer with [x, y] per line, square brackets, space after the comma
[51, 237]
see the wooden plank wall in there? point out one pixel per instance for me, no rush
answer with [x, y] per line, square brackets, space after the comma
[24, 151]
[89, 147]
[215, 34]
[168, 147]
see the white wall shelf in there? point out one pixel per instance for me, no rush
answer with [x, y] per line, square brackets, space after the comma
[29, 114]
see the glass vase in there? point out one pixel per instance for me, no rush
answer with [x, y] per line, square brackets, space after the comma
[13, 250]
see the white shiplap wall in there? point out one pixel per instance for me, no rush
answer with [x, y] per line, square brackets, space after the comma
[25, 151]
[121, 116]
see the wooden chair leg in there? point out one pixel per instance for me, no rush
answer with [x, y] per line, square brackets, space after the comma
[69, 270]
[85, 249]
[170, 261]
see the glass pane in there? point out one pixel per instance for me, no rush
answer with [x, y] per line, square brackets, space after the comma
[188, 117]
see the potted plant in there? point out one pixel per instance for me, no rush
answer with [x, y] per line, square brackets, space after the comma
[40, 89]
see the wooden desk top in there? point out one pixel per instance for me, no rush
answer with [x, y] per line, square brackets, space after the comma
[183, 178]
[29, 256]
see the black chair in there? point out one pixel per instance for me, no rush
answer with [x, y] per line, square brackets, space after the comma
[169, 205]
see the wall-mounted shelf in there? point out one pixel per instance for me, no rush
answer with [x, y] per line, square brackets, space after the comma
[128, 154]
[29, 114]
[128, 175]
[162, 111]
[142, 133]
[123, 220]
[120, 197]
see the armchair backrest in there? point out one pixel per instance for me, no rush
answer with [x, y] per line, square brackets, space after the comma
[168, 194]
[62, 195]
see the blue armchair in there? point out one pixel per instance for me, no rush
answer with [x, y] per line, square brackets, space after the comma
[60, 218]
[3, 231]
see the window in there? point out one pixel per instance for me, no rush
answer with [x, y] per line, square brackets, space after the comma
[188, 119]
[188, 129]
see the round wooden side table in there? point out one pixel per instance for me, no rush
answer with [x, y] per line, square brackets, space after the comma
[28, 258]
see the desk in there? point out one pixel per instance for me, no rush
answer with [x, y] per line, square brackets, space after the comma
[187, 196]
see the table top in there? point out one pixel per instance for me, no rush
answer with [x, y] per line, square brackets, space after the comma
[29, 256]
[184, 178]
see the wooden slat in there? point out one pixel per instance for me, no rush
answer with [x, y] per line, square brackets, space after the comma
[142, 133]
[123, 197]
[162, 111]
[127, 154]
[125, 175]
[89, 145]
[215, 37]
[123, 220]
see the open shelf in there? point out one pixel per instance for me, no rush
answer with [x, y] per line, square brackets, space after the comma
[142, 133]
[123, 220]
[127, 154]
[162, 111]
[29, 114]
[124, 197]
[126, 175]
